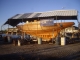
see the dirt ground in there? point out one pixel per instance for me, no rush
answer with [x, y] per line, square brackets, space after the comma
[40, 52]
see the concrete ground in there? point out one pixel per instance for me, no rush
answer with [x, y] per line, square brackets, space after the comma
[40, 52]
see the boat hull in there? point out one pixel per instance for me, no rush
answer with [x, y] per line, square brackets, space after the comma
[44, 32]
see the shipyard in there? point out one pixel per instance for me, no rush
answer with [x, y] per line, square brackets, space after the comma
[43, 38]
[42, 35]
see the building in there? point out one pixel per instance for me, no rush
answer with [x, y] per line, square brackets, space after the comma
[12, 31]
[72, 29]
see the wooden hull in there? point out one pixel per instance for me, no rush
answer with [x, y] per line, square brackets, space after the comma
[44, 32]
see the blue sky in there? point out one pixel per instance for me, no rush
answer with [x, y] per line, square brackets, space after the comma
[9, 8]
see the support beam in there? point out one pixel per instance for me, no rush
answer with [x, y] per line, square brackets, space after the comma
[19, 43]
[39, 40]
[9, 39]
[28, 37]
[63, 41]
[57, 40]
[24, 35]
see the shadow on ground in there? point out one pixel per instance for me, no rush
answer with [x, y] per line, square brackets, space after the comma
[23, 56]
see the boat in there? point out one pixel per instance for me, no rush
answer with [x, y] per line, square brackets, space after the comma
[44, 29]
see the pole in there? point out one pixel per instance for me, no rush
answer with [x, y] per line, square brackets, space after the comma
[56, 18]
[8, 26]
[22, 29]
[1, 27]
[63, 9]
[78, 22]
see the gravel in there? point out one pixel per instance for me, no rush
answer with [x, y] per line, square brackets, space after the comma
[40, 52]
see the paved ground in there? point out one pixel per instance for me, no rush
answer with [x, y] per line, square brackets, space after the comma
[40, 52]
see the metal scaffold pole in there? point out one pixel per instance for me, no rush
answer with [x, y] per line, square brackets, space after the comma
[8, 26]
[1, 27]
[78, 25]
[39, 38]
[22, 30]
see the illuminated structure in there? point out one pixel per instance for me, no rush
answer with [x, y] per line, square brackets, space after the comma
[38, 28]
